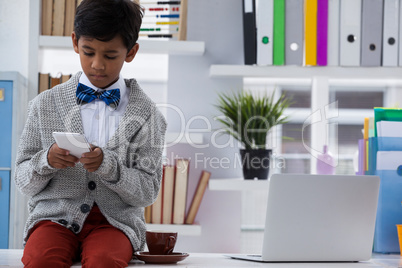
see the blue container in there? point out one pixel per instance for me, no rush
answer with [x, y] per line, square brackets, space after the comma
[389, 210]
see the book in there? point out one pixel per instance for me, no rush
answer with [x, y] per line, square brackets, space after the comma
[265, 22]
[59, 8]
[384, 114]
[361, 157]
[389, 129]
[388, 160]
[198, 195]
[279, 33]
[400, 35]
[333, 32]
[47, 17]
[44, 82]
[156, 210]
[65, 77]
[249, 32]
[371, 45]
[365, 142]
[350, 32]
[294, 32]
[390, 42]
[54, 81]
[322, 32]
[69, 17]
[167, 195]
[147, 214]
[180, 190]
[311, 32]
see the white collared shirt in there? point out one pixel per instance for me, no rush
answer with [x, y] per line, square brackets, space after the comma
[98, 119]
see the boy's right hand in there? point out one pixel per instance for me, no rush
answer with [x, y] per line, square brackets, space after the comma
[60, 158]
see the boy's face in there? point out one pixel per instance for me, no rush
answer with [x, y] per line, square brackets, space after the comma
[102, 61]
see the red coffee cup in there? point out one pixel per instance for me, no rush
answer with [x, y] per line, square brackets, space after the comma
[161, 242]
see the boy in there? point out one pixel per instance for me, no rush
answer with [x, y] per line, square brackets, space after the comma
[92, 208]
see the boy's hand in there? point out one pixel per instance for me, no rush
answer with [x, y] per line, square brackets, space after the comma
[92, 160]
[60, 158]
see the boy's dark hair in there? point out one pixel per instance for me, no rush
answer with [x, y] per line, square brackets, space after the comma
[104, 19]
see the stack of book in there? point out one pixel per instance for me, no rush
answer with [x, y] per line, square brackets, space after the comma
[170, 206]
[161, 18]
[58, 17]
[46, 81]
[322, 32]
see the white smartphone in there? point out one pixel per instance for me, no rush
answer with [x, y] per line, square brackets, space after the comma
[76, 143]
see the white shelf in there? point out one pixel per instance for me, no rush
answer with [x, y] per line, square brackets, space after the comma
[170, 47]
[181, 229]
[190, 48]
[237, 184]
[382, 75]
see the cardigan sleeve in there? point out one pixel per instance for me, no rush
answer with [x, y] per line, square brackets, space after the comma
[32, 171]
[137, 178]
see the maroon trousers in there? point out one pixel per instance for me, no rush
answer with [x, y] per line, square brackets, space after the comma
[99, 244]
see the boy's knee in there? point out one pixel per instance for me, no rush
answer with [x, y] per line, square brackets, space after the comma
[46, 260]
[102, 260]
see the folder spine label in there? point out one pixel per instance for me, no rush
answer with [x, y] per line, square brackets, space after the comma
[390, 33]
[322, 32]
[294, 31]
[311, 32]
[265, 22]
[372, 18]
[279, 32]
[333, 32]
[350, 27]
[249, 32]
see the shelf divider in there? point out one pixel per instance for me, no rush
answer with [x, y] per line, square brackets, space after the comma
[182, 229]
[385, 74]
[171, 47]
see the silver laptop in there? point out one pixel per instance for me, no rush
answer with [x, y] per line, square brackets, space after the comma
[319, 218]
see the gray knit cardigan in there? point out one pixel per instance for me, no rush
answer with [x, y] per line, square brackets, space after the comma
[127, 180]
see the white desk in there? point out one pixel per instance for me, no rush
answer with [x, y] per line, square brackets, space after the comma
[12, 258]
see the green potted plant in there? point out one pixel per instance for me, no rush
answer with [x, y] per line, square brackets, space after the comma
[248, 119]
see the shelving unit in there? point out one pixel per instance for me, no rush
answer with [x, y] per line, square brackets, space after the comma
[182, 229]
[319, 79]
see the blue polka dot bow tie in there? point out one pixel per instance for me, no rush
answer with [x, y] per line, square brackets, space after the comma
[86, 94]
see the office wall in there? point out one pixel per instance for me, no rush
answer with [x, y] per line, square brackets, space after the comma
[14, 16]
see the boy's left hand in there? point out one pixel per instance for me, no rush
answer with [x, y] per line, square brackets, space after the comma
[92, 160]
